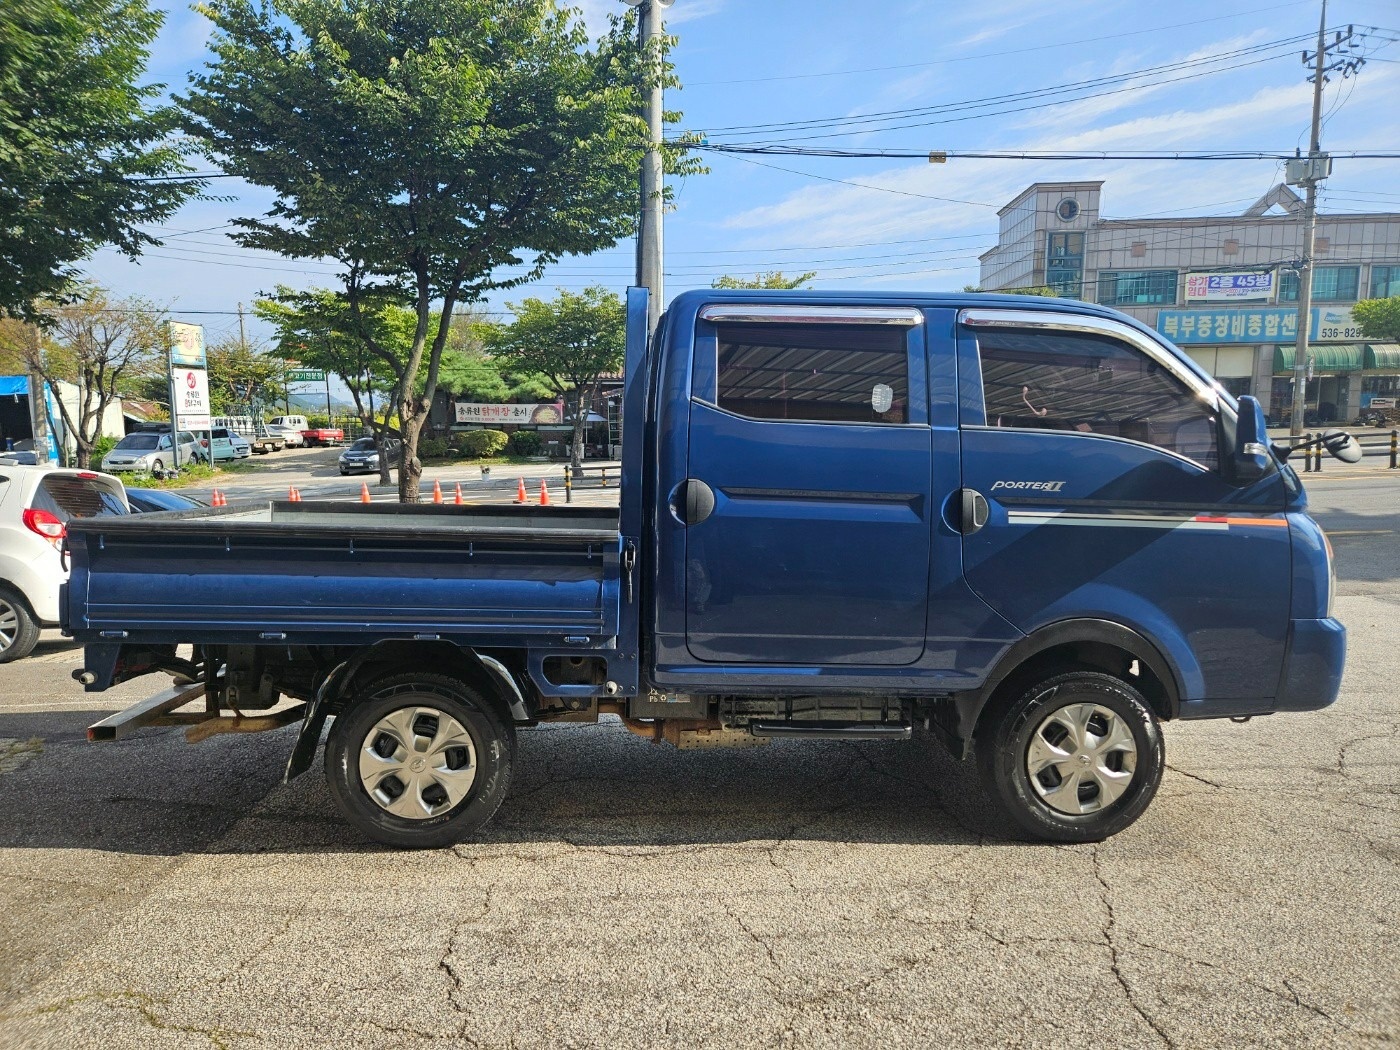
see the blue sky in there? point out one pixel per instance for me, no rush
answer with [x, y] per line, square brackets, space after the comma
[879, 222]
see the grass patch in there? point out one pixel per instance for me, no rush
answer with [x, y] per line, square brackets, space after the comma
[200, 474]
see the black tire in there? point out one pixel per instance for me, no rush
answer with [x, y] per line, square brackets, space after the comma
[19, 631]
[157, 465]
[360, 733]
[1119, 714]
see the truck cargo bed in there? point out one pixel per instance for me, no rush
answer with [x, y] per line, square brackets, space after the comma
[332, 573]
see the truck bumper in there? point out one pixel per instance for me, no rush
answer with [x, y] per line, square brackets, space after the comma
[1312, 674]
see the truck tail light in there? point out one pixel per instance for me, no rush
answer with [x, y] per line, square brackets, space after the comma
[43, 523]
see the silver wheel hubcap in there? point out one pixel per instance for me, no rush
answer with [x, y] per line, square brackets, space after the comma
[1081, 759]
[417, 762]
[9, 625]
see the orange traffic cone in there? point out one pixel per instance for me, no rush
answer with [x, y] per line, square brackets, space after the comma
[520, 496]
[437, 491]
[544, 493]
[458, 500]
[217, 499]
[364, 492]
[294, 494]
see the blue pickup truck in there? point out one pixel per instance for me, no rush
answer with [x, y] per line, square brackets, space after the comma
[1028, 528]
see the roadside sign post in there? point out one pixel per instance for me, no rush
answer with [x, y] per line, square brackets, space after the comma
[189, 382]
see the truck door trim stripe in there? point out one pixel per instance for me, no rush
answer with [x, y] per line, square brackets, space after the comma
[1195, 523]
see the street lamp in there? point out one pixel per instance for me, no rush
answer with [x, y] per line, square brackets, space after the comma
[649, 228]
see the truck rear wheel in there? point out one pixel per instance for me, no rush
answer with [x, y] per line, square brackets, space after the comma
[1075, 758]
[421, 761]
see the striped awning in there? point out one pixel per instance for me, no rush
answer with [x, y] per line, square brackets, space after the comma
[1384, 356]
[1348, 357]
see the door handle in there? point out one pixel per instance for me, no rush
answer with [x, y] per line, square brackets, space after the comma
[974, 511]
[692, 501]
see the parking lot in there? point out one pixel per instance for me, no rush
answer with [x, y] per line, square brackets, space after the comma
[158, 894]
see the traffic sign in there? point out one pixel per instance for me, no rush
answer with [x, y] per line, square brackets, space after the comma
[306, 375]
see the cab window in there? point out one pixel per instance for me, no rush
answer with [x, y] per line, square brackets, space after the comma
[1092, 385]
[821, 373]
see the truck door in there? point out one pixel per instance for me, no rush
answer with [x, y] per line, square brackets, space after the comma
[806, 500]
[1094, 453]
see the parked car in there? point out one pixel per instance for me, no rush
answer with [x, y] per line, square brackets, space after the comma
[297, 423]
[253, 431]
[36, 503]
[151, 451]
[146, 501]
[363, 455]
[28, 458]
[225, 444]
[290, 436]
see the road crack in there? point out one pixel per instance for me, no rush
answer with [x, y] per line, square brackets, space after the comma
[1110, 941]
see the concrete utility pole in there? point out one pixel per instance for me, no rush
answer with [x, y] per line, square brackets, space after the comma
[649, 274]
[1308, 172]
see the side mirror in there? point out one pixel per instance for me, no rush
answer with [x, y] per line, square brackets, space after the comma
[1342, 445]
[1250, 458]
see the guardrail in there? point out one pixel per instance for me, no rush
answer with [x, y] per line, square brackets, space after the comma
[602, 472]
[1387, 446]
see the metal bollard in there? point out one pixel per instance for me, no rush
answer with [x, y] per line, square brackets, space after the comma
[603, 473]
[1317, 457]
[1394, 446]
[1307, 452]
[568, 483]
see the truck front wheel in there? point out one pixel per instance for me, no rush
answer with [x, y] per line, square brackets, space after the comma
[1075, 758]
[421, 761]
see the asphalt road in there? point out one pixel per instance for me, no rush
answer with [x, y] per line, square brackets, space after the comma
[157, 894]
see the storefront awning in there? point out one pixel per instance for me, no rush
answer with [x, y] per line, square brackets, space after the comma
[14, 385]
[1383, 355]
[1347, 358]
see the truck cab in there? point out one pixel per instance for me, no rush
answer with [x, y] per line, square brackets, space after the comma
[1030, 529]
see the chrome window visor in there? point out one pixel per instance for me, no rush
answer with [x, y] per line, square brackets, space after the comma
[1068, 322]
[903, 316]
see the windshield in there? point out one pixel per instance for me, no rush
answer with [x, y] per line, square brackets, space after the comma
[362, 445]
[139, 442]
[69, 496]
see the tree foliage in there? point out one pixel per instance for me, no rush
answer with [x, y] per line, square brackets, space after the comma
[570, 340]
[1043, 290]
[242, 378]
[97, 345]
[1379, 319]
[79, 140]
[769, 279]
[436, 149]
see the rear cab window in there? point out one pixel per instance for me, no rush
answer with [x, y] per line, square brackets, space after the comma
[68, 496]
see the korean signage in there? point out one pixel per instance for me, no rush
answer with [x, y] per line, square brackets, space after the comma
[191, 391]
[472, 412]
[305, 375]
[1230, 287]
[186, 345]
[1265, 324]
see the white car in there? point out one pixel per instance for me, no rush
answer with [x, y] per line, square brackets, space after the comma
[288, 433]
[36, 504]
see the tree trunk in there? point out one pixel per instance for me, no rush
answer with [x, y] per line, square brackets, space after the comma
[411, 471]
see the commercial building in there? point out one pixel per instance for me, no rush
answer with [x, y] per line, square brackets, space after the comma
[1223, 288]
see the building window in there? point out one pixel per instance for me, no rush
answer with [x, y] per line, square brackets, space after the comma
[1385, 281]
[1137, 287]
[822, 373]
[1091, 385]
[1064, 264]
[1330, 284]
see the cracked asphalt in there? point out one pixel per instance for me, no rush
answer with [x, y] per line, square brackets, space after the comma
[834, 894]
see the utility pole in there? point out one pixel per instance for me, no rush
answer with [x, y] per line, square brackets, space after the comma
[1308, 172]
[649, 274]
[242, 339]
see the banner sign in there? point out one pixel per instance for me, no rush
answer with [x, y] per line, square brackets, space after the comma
[1270, 324]
[305, 375]
[186, 345]
[473, 412]
[1230, 287]
[191, 387]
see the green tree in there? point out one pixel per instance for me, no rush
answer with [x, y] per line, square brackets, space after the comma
[436, 149]
[242, 377]
[468, 369]
[570, 340]
[769, 279]
[1379, 319]
[369, 350]
[79, 143]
